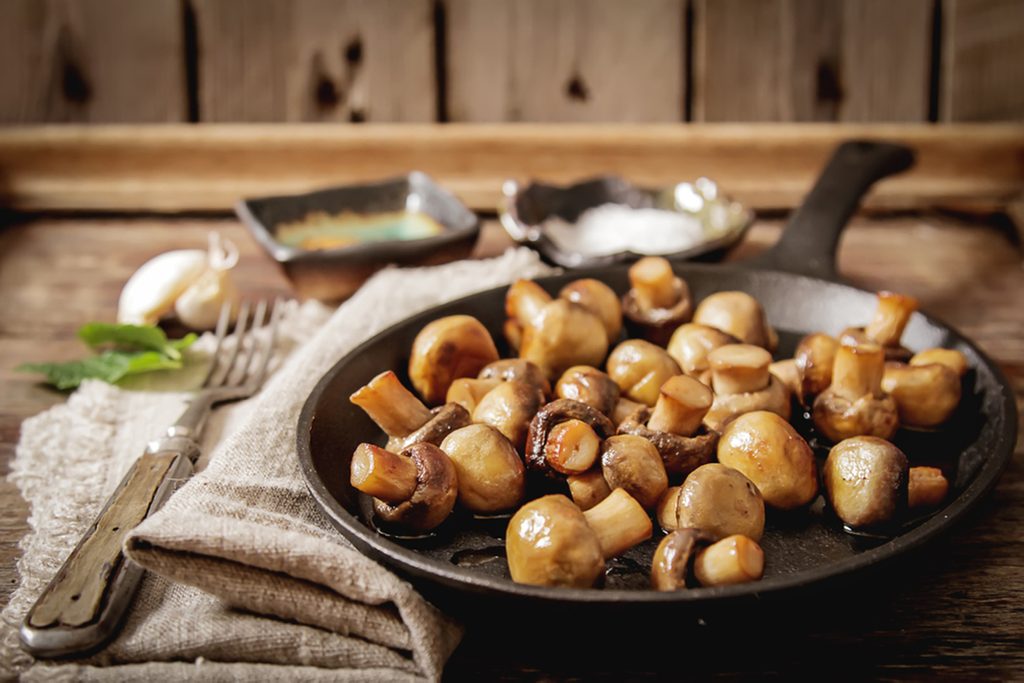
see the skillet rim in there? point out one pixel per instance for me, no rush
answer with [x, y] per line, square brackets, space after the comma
[436, 571]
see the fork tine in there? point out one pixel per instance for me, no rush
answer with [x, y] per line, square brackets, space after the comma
[243, 318]
[221, 332]
[276, 314]
[248, 355]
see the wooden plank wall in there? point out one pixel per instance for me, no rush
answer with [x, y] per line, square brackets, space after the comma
[511, 60]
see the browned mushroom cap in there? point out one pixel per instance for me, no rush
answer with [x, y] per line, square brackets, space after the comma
[571, 443]
[658, 301]
[549, 543]
[951, 358]
[720, 501]
[787, 372]
[665, 513]
[670, 567]
[680, 454]
[691, 343]
[743, 384]
[738, 314]
[620, 523]
[770, 453]
[443, 421]
[633, 464]
[599, 299]
[640, 368]
[523, 303]
[509, 408]
[564, 334]
[390, 405]
[623, 409]
[589, 385]
[854, 404]
[421, 503]
[866, 480]
[815, 355]
[446, 349]
[925, 395]
[467, 391]
[886, 327]
[490, 472]
[516, 369]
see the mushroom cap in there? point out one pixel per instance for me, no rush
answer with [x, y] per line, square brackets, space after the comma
[727, 407]
[738, 314]
[951, 358]
[562, 335]
[549, 543]
[444, 350]
[670, 566]
[490, 474]
[556, 412]
[444, 420]
[632, 463]
[599, 299]
[925, 395]
[640, 368]
[769, 452]
[589, 385]
[435, 494]
[838, 418]
[657, 325]
[509, 369]
[722, 502]
[814, 356]
[680, 454]
[509, 408]
[866, 480]
[691, 343]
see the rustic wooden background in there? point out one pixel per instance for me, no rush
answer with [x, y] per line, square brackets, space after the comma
[511, 60]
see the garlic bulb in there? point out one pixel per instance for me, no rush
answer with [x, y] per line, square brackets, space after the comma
[191, 282]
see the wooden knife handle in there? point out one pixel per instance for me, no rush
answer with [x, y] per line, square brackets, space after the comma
[87, 599]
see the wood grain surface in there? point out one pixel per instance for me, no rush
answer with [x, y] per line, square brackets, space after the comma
[808, 60]
[575, 60]
[953, 611]
[182, 168]
[983, 60]
[97, 61]
[316, 60]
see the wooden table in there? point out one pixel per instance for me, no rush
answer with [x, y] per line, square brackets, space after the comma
[955, 609]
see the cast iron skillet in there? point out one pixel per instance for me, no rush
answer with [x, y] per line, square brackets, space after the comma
[462, 569]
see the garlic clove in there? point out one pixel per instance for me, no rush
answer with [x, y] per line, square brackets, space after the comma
[199, 306]
[152, 290]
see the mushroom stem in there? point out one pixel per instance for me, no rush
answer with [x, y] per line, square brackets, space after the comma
[736, 559]
[858, 371]
[382, 474]
[572, 447]
[654, 283]
[467, 392]
[525, 300]
[927, 487]
[682, 404]
[619, 522]
[588, 489]
[389, 404]
[891, 317]
[739, 368]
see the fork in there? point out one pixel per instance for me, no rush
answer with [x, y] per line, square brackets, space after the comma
[85, 603]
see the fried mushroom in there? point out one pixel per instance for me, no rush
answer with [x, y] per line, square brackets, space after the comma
[691, 343]
[657, 302]
[489, 471]
[640, 368]
[815, 355]
[557, 450]
[737, 314]
[633, 464]
[743, 383]
[549, 543]
[446, 349]
[414, 490]
[866, 480]
[589, 385]
[925, 395]
[886, 326]
[562, 335]
[721, 501]
[599, 299]
[516, 369]
[509, 408]
[673, 558]
[855, 404]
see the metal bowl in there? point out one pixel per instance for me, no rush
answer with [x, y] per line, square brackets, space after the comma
[545, 217]
[334, 274]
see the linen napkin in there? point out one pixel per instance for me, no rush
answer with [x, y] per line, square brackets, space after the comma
[247, 578]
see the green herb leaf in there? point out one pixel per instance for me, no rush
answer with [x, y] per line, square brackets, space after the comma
[134, 338]
[109, 366]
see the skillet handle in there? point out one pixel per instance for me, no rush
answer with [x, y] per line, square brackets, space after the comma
[808, 244]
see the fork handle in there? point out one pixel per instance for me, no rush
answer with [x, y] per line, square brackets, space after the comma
[85, 603]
